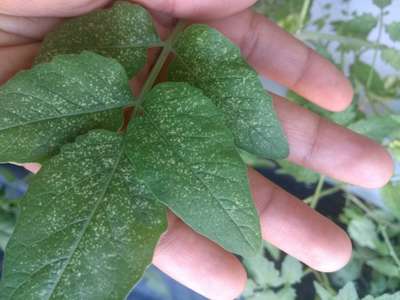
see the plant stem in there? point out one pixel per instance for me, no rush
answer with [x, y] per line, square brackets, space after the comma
[368, 212]
[390, 246]
[318, 36]
[155, 72]
[324, 193]
[377, 42]
[317, 194]
[324, 281]
[305, 10]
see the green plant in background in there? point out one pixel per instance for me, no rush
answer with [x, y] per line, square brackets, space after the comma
[8, 211]
[374, 271]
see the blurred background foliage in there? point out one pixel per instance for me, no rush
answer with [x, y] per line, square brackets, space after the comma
[365, 44]
[362, 38]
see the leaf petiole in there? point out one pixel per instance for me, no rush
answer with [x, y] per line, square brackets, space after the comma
[155, 72]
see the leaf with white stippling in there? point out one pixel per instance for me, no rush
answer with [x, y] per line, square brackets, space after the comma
[50, 105]
[88, 226]
[124, 33]
[209, 61]
[184, 152]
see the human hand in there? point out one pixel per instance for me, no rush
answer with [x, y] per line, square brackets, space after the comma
[314, 143]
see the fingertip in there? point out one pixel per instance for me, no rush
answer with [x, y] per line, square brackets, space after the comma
[378, 168]
[323, 83]
[343, 97]
[336, 256]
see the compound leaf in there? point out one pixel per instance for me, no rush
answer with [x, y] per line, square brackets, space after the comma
[50, 105]
[359, 26]
[88, 227]
[184, 152]
[124, 33]
[209, 61]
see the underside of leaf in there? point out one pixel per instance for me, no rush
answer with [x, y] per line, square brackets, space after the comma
[209, 61]
[88, 226]
[52, 104]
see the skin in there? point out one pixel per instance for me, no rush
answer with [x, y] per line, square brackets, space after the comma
[315, 143]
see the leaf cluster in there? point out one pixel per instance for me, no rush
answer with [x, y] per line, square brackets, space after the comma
[112, 163]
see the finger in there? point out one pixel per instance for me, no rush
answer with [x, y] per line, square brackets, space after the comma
[198, 10]
[298, 230]
[198, 263]
[32, 29]
[279, 56]
[330, 149]
[15, 58]
[49, 8]
[204, 9]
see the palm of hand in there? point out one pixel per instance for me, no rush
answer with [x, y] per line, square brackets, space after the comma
[314, 143]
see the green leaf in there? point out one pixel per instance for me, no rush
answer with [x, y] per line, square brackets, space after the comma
[299, 173]
[272, 250]
[395, 296]
[377, 127]
[392, 57]
[358, 27]
[384, 266]
[7, 223]
[382, 3]
[249, 289]
[184, 152]
[363, 231]
[209, 61]
[348, 292]
[88, 226]
[351, 272]
[124, 33]
[292, 270]
[287, 293]
[263, 271]
[361, 72]
[263, 295]
[322, 292]
[393, 29]
[390, 194]
[50, 105]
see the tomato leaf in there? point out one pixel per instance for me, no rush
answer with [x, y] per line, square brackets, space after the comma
[209, 61]
[124, 33]
[184, 152]
[88, 227]
[50, 105]
[393, 29]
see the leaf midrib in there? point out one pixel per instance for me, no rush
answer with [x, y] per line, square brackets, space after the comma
[201, 181]
[87, 223]
[103, 109]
